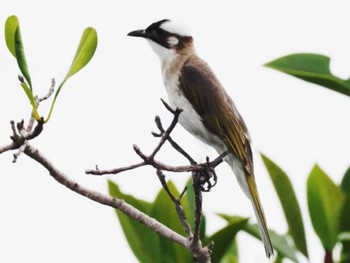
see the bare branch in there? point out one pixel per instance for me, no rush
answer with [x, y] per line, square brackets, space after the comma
[198, 203]
[171, 141]
[166, 133]
[50, 92]
[115, 170]
[21, 149]
[8, 147]
[104, 199]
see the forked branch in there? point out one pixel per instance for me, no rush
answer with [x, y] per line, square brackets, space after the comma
[204, 178]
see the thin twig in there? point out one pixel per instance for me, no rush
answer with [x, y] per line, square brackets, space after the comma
[171, 141]
[179, 208]
[167, 132]
[198, 204]
[114, 170]
[50, 92]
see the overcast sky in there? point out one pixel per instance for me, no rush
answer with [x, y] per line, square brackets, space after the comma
[111, 104]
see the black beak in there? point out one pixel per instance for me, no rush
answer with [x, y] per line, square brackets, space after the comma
[138, 33]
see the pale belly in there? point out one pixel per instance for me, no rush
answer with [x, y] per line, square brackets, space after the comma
[191, 121]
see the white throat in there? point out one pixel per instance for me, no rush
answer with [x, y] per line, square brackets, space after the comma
[165, 55]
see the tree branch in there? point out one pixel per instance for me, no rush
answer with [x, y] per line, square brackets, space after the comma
[202, 175]
[104, 199]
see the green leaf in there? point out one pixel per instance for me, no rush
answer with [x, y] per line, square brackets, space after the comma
[279, 259]
[313, 68]
[345, 250]
[289, 202]
[86, 50]
[223, 239]
[21, 58]
[345, 182]
[14, 44]
[280, 243]
[144, 242]
[163, 209]
[31, 100]
[344, 221]
[325, 200]
[231, 255]
[10, 31]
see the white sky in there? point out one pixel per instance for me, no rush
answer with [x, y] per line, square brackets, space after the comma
[111, 104]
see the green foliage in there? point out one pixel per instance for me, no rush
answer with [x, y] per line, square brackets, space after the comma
[11, 26]
[325, 201]
[144, 242]
[289, 204]
[313, 68]
[147, 245]
[224, 238]
[231, 255]
[345, 252]
[150, 247]
[164, 211]
[345, 182]
[14, 44]
[279, 242]
[85, 52]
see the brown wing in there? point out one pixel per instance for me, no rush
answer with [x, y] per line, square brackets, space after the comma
[219, 115]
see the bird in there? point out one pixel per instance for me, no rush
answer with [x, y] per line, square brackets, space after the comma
[208, 112]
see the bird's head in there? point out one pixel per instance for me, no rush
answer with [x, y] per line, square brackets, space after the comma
[165, 36]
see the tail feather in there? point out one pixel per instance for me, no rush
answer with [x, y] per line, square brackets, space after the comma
[248, 185]
[259, 213]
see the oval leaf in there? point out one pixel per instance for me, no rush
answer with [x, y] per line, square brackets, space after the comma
[280, 242]
[224, 238]
[313, 68]
[345, 182]
[14, 44]
[345, 210]
[20, 56]
[163, 209]
[325, 200]
[144, 242]
[344, 220]
[85, 51]
[289, 202]
[10, 31]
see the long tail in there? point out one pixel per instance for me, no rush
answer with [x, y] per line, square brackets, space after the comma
[259, 213]
[248, 185]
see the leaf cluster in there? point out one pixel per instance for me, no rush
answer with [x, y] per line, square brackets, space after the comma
[83, 55]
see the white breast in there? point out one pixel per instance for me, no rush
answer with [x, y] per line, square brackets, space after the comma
[171, 65]
[189, 118]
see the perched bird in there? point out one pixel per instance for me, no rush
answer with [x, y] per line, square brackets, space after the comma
[208, 111]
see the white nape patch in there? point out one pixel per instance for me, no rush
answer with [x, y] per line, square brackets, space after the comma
[173, 41]
[176, 28]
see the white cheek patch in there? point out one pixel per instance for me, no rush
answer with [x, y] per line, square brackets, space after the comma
[172, 41]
